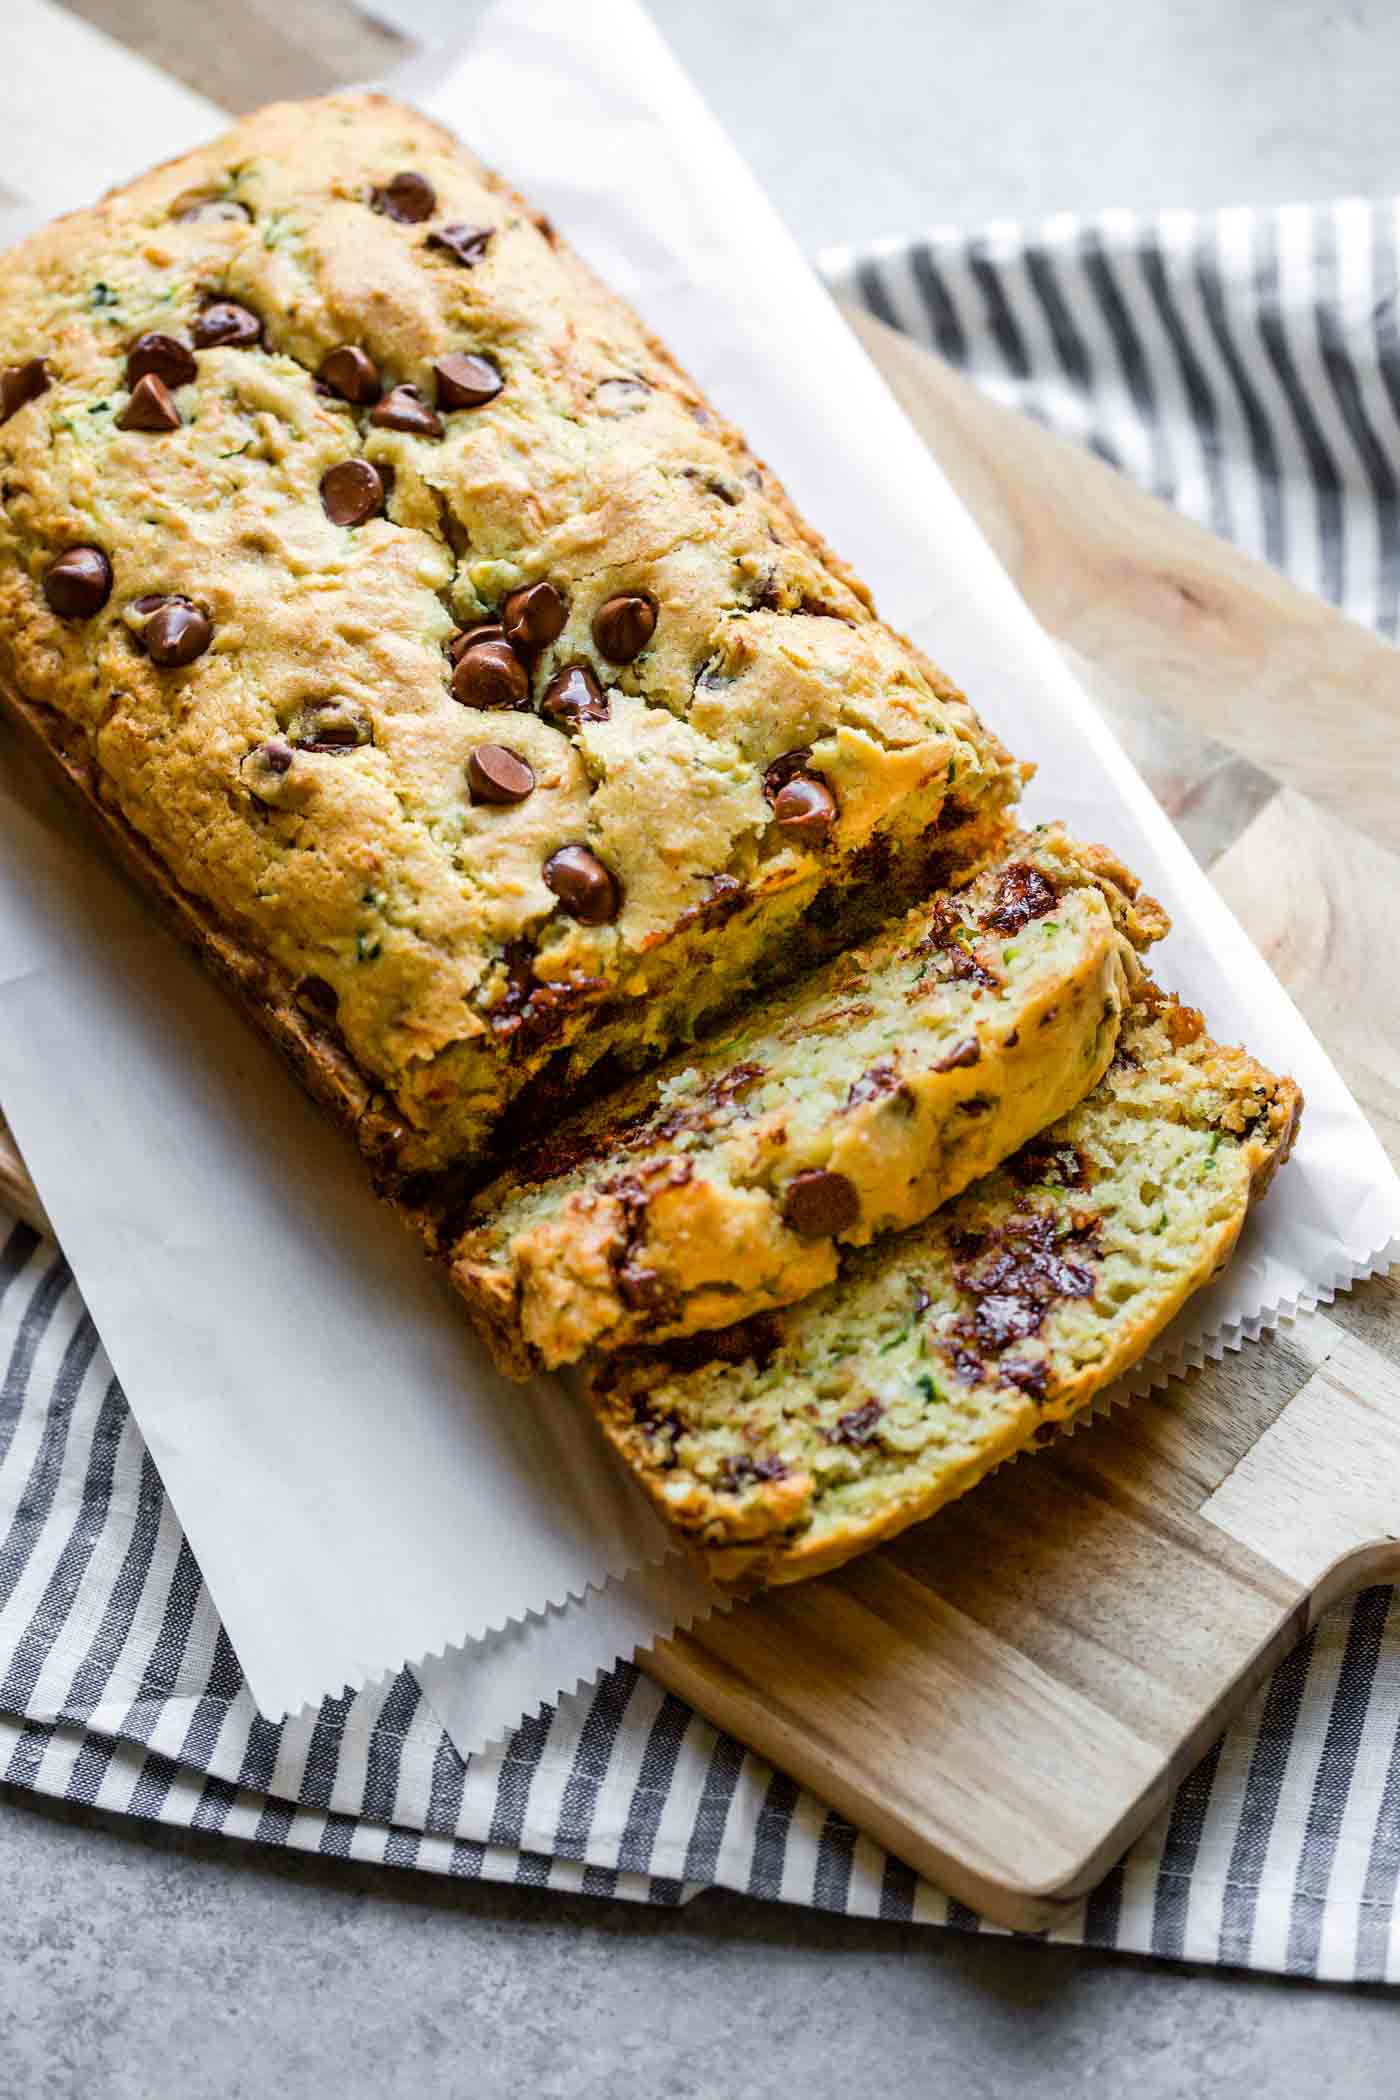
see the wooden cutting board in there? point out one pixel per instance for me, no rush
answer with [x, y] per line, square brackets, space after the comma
[1006, 1695]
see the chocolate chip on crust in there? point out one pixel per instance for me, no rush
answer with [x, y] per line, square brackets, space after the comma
[165, 357]
[490, 674]
[407, 197]
[496, 774]
[587, 890]
[225, 322]
[352, 374]
[151, 407]
[22, 383]
[79, 583]
[465, 380]
[351, 492]
[405, 409]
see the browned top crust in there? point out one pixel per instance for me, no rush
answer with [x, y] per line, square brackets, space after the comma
[283, 422]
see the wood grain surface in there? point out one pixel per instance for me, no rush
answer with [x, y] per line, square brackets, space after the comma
[1005, 1696]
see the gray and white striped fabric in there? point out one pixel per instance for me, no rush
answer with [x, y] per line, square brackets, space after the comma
[1246, 367]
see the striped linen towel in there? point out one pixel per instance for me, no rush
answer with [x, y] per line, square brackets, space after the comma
[1246, 367]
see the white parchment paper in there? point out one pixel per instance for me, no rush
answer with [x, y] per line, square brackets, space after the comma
[356, 1485]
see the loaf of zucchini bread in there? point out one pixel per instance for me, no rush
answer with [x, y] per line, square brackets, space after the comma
[726, 1183]
[466, 689]
[781, 1446]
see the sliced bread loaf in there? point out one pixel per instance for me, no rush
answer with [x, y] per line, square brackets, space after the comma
[784, 1446]
[852, 1105]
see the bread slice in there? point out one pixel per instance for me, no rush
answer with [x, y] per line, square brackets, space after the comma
[853, 1105]
[782, 1447]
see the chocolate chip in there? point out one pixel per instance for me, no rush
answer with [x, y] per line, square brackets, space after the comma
[818, 1204]
[786, 768]
[490, 674]
[332, 725]
[484, 631]
[405, 409]
[587, 890]
[20, 384]
[224, 321]
[271, 774]
[317, 996]
[805, 809]
[574, 695]
[534, 617]
[408, 197]
[152, 600]
[351, 491]
[623, 626]
[79, 583]
[151, 407]
[496, 774]
[465, 380]
[176, 633]
[465, 244]
[165, 356]
[967, 1052]
[352, 374]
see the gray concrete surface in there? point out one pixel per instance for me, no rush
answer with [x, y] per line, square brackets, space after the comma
[140, 1965]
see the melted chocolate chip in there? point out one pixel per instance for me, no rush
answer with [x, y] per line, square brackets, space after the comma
[534, 617]
[163, 357]
[587, 890]
[623, 626]
[351, 492]
[818, 1204]
[332, 725]
[739, 1472]
[490, 674]
[498, 775]
[465, 380]
[967, 1052]
[465, 244]
[882, 1078]
[860, 1426]
[1023, 894]
[352, 374]
[1043, 1160]
[224, 321]
[1016, 1274]
[79, 583]
[20, 384]
[805, 809]
[572, 696]
[408, 197]
[784, 769]
[405, 409]
[176, 633]
[151, 407]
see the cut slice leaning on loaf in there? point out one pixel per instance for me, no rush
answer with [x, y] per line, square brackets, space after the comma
[784, 1446]
[852, 1105]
